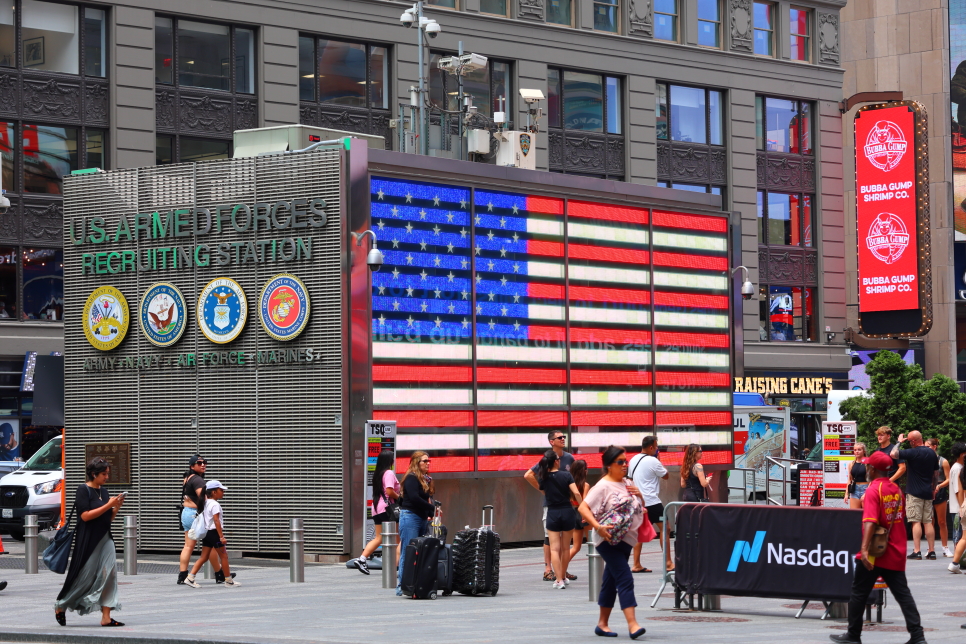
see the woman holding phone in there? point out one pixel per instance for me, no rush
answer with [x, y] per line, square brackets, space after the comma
[91, 582]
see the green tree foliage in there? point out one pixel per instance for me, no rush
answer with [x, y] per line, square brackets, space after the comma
[904, 401]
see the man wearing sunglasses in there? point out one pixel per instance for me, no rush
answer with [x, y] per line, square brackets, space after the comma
[558, 440]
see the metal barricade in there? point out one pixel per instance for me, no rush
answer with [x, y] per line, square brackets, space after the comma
[31, 530]
[744, 484]
[389, 535]
[595, 570]
[297, 552]
[667, 575]
[130, 545]
[784, 480]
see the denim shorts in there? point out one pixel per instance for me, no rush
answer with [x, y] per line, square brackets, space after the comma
[860, 489]
[188, 517]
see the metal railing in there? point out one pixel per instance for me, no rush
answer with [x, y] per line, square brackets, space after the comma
[667, 575]
[744, 483]
[784, 480]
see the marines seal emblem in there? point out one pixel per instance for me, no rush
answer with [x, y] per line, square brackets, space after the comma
[283, 307]
[885, 145]
[163, 314]
[222, 310]
[106, 318]
[887, 237]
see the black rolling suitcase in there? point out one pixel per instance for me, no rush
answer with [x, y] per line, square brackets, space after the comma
[444, 574]
[422, 568]
[476, 559]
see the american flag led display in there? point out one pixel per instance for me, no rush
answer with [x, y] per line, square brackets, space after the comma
[588, 316]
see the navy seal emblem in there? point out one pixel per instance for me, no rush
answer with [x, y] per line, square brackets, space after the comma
[163, 314]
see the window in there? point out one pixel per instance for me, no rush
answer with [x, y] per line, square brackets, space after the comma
[204, 55]
[666, 20]
[784, 125]
[709, 23]
[764, 29]
[497, 7]
[585, 102]
[784, 219]
[785, 314]
[689, 114]
[799, 34]
[48, 152]
[31, 283]
[343, 73]
[606, 15]
[95, 46]
[448, 4]
[50, 37]
[486, 86]
[182, 149]
[692, 187]
[560, 12]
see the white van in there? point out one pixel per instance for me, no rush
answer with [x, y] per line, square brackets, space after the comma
[33, 489]
[836, 397]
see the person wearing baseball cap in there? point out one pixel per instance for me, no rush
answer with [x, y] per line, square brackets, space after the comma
[881, 506]
[213, 544]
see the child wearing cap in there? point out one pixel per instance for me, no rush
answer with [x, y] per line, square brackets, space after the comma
[214, 539]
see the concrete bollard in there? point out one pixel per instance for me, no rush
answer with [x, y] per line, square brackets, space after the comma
[31, 529]
[130, 545]
[595, 572]
[297, 552]
[389, 554]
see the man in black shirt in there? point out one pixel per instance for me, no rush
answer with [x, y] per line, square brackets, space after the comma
[884, 436]
[922, 464]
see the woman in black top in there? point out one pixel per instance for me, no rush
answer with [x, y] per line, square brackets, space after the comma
[559, 487]
[858, 479]
[415, 509]
[193, 502]
[91, 581]
[693, 480]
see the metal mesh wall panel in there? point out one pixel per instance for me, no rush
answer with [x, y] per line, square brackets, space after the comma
[268, 429]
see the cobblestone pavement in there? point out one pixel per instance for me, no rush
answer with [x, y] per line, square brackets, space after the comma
[338, 605]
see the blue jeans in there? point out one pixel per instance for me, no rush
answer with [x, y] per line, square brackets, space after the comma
[618, 580]
[410, 527]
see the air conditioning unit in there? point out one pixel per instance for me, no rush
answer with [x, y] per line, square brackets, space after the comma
[250, 143]
[517, 149]
[478, 141]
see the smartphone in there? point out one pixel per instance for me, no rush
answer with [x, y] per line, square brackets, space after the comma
[123, 495]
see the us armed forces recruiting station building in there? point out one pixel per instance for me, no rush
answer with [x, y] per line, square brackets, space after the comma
[225, 307]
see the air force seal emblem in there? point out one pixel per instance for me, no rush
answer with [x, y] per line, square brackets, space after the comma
[106, 318]
[163, 314]
[222, 310]
[283, 307]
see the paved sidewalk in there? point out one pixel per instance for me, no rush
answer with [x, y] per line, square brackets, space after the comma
[337, 605]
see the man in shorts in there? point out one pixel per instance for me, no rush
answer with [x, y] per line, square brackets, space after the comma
[558, 440]
[647, 471]
[921, 465]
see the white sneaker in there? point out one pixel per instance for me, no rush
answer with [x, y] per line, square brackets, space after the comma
[954, 568]
[947, 552]
[232, 582]
[558, 585]
[566, 581]
[190, 581]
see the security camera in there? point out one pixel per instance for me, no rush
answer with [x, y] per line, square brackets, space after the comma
[374, 259]
[432, 29]
[531, 96]
[747, 290]
[407, 17]
[4, 204]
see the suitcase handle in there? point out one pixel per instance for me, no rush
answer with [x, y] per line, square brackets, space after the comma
[485, 508]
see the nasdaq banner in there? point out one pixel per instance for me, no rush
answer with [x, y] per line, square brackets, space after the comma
[893, 228]
[756, 550]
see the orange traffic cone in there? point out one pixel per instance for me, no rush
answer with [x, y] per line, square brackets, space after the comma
[2, 551]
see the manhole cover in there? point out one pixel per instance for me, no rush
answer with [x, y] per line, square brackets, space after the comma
[885, 628]
[809, 607]
[958, 613]
[696, 618]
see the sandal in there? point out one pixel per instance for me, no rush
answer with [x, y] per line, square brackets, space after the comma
[571, 577]
[642, 570]
[549, 576]
[61, 618]
[113, 622]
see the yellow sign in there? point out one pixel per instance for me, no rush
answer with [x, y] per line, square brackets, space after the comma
[784, 385]
[106, 318]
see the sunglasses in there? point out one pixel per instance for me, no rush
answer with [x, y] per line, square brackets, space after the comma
[425, 460]
[621, 461]
[559, 438]
[201, 462]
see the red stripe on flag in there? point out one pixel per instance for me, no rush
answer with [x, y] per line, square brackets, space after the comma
[616, 418]
[406, 373]
[544, 205]
[694, 222]
[426, 418]
[693, 379]
[712, 457]
[609, 212]
[440, 463]
[622, 295]
[589, 377]
[710, 340]
[542, 376]
[687, 300]
[527, 418]
[701, 262]
[545, 248]
[546, 333]
[717, 418]
[604, 254]
[549, 291]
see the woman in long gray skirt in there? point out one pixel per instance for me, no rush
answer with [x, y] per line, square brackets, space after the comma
[91, 582]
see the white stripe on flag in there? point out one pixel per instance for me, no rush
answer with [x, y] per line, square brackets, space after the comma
[689, 359]
[545, 227]
[667, 318]
[421, 351]
[689, 280]
[605, 439]
[610, 397]
[404, 396]
[602, 274]
[508, 441]
[677, 240]
[521, 354]
[612, 316]
[412, 442]
[541, 269]
[609, 356]
[695, 398]
[545, 312]
[606, 233]
[521, 397]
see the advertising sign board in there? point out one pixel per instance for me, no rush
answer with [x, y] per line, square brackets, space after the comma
[810, 481]
[760, 432]
[839, 440]
[893, 234]
[380, 435]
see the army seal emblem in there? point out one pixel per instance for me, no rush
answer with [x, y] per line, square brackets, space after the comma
[222, 310]
[283, 307]
[106, 318]
[163, 314]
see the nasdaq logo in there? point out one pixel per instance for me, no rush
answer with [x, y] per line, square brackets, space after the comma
[744, 551]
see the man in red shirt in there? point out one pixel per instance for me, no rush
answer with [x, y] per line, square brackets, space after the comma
[882, 506]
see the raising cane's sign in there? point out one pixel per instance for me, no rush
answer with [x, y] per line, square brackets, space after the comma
[885, 174]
